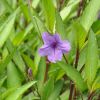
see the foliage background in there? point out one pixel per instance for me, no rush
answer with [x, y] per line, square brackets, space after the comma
[24, 75]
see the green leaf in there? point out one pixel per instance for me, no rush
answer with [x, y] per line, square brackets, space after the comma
[30, 64]
[8, 92]
[35, 3]
[80, 33]
[21, 35]
[19, 91]
[82, 58]
[65, 12]
[6, 61]
[31, 96]
[7, 27]
[13, 77]
[39, 25]
[96, 83]
[41, 74]
[17, 57]
[24, 9]
[6, 4]
[96, 26]
[2, 80]
[90, 14]
[65, 95]
[37, 59]
[49, 12]
[57, 90]
[91, 59]
[60, 26]
[48, 89]
[74, 75]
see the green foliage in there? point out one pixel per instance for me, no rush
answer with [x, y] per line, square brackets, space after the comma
[90, 14]
[24, 74]
[13, 78]
[74, 75]
[91, 59]
[19, 91]
[56, 91]
[47, 89]
[6, 28]
[49, 12]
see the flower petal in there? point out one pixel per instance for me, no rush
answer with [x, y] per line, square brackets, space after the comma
[44, 50]
[47, 38]
[57, 37]
[65, 46]
[56, 55]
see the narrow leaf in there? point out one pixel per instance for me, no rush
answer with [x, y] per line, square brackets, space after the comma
[48, 89]
[13, 77]
[90, 14]
[49, 12]
[57, 90]
[7, 27]
[74, 75]
[19, 91]
[41, 74]
[91, 59]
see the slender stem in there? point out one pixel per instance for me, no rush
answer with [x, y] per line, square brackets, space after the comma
[98, 97]
[75, 93]
[71, 90]
[46, 72]
[61, 2]
[72, 87]
[90, 96]
[77, 57]
[80, 8]
[71, 83]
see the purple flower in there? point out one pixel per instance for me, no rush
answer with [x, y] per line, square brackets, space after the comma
[54, 47]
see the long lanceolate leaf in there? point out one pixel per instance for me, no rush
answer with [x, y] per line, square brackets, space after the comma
[91, 60]
[7, 27]
[68, 9]
[4, 63]
[49, 12]
[60, 26]
[47, 89]
[57, 90]
[74, 75]
[41, 74]
[13, 77]
[96, 83]
[18, 92]
[90, 14]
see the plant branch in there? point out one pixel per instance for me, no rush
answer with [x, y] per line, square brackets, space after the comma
[72, 87]
[80, 8]
[77, 57]
[71, 90]
[46, 71]
[90, 96]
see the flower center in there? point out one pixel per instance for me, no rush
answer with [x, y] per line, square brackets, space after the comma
[54, 45]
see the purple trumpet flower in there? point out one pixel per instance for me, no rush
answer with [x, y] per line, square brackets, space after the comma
[53, 47]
